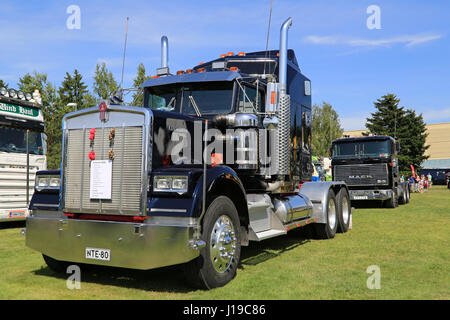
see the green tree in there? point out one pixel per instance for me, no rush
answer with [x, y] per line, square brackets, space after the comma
[404, 125]
[73, 90]
[138, 97]
[53, 111]
[2, 84]
[326, 127]
[104, 83]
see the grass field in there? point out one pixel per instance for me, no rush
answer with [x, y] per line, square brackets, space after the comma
[410, 245]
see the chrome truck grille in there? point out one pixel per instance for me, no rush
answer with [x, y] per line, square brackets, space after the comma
[362, 174]
[129, 153]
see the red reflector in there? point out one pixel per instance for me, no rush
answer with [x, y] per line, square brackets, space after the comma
[287, 228]
[104, 217]
[234, 69]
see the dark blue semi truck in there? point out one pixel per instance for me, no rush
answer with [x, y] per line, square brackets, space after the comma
[370, 168]
[218, 155]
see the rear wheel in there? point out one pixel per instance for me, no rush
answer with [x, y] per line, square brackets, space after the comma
[344, 209]
[218, 260]
[328, 230]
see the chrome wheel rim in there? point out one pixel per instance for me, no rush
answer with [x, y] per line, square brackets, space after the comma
[222, 244]
[345, 211]
[332, 214]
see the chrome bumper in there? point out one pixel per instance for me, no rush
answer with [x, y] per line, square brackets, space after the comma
[370, 194]
[132, 245]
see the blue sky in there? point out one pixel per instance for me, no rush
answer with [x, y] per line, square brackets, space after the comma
[350, 66]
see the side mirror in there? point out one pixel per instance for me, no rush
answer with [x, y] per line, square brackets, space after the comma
[397, 146]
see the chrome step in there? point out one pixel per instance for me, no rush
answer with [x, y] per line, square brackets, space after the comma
[269, 234]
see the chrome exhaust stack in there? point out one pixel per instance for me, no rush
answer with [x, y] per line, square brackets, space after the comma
[164, 70]
[284, 106]
[282, 70]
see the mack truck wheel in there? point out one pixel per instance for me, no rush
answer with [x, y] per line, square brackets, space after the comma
[408, 194]
[403, 197]
[56, 265]
[393, 201]
[328, 230]
[344, 210]
[218, 260]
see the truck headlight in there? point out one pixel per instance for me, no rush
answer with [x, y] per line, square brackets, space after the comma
[170, 184]
[47, 183]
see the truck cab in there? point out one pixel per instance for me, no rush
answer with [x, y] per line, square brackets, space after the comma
[369, 166]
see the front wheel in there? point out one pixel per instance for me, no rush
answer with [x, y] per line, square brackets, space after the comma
[218, 260]
[393, 201]
[56, 265]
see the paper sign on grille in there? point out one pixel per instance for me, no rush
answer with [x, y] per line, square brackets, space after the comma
[101, 179]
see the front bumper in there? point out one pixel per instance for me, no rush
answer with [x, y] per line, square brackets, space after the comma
[149, 245]
[370, 194]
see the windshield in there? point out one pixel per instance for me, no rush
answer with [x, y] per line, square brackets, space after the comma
[192, 99]
[15, 141]
[361, 149]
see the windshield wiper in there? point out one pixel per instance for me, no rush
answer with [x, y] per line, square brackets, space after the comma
[194, 104]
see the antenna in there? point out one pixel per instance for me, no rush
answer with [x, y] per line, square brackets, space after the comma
[268, 34]
[123, 62]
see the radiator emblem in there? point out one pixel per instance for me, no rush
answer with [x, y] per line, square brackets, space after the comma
[103, 107]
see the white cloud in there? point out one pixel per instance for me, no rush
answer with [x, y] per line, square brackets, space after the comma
[408, 40]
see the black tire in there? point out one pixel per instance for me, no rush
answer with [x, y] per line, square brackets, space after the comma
[205, 271]
[344, 210]
[392, 202]
[402, 198]
[328, 230]
[56, 265]
[408, 194]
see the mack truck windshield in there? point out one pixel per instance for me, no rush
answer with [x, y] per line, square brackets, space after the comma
[22, 152]
[369, 166]
[217, 156]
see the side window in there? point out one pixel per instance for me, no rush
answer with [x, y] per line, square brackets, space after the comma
[250, 99]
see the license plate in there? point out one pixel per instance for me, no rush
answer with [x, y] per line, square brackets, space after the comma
[360, 197]
[17, 214]
[98, 254]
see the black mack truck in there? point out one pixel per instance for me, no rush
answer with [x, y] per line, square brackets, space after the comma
[218, 155]
[369, 166]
